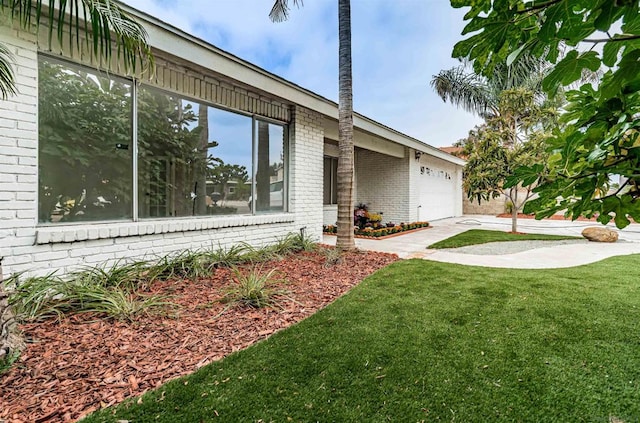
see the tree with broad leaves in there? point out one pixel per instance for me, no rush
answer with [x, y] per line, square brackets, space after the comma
[345, 238]
[221, 173]
[600, 132]
[512, 137]
[515, 110]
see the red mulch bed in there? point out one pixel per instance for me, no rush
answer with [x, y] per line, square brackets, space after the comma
[82, 363]
[554, 217]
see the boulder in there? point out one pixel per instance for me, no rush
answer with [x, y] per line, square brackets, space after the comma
[600, 234]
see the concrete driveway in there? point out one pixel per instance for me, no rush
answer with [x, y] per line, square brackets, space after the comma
[414, 245]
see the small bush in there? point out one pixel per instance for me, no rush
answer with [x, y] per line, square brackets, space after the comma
[508, 206]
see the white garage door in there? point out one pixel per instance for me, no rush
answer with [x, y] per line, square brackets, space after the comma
[438, 193]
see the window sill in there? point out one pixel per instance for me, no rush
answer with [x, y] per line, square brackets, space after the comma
[92, 231]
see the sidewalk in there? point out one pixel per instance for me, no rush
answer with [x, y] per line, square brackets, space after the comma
[414, 245]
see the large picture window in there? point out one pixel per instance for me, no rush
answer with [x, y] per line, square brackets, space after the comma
[192, 159]
[85, 145]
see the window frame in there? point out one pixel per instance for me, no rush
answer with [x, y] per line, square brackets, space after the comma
[334, 171]
[136, 84]
[254, 164]
[104, 74]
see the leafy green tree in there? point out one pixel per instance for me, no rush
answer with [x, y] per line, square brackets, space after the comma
[85, 126]
[345, 237]
[600, 135]
[510, 138]
[516, 111]
[102, 23]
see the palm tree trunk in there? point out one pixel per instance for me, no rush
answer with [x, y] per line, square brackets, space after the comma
[345, 240]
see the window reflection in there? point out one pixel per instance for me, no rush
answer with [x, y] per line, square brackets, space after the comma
[330, 184]
[270, 169]
[193, 159]
[85, 147]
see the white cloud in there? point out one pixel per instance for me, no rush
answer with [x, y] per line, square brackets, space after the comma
[397, 47]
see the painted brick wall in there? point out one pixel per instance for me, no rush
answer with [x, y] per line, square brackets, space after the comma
[24, 246]
[307, 170]
[18, 149]
[383, 184]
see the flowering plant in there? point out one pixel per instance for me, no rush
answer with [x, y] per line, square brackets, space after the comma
[361, 215]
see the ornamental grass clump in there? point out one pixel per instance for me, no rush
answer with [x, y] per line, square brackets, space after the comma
[290, 244]
[187, 264]
[7, 361]
[129, 275]
[39, 297]
[119, 290]
[254, 288]
[332, 256]
[225, 257]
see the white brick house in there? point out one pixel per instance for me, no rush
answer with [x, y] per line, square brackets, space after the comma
[97, 166]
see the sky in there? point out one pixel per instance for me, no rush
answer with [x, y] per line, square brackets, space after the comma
[397, 46]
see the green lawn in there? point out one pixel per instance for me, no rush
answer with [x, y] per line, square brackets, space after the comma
[428, 341]
[480, 236]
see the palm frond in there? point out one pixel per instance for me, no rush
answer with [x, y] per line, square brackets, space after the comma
[7, 80]
[98, 22]
[131, 38]
[464, 89]
[280, 10]
[526, 72]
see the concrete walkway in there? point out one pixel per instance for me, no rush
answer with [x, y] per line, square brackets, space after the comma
[414, 245]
